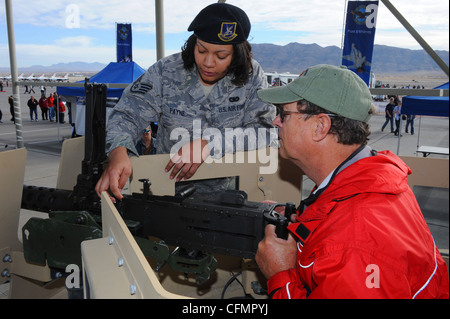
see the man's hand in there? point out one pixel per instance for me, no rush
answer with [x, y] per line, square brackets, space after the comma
[281, 210]
[275, 254]
[188, 159]
[116, 173]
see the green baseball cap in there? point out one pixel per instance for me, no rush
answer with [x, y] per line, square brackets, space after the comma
[333, 88]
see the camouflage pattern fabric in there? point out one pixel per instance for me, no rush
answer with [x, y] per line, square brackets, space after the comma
[175, 98]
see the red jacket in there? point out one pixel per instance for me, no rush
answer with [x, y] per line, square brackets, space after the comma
[43, 102]
[50, 100]
[62, 107]
[364, 237]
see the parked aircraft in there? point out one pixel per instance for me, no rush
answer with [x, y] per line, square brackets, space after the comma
[55, 78]
[29, 78]
[42, 77]
[6, 78]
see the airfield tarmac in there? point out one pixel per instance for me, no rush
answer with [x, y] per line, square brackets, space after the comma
[426, 79]
[43, 141]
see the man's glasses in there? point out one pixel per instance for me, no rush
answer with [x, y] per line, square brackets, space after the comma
[145, 131]
[282, 113]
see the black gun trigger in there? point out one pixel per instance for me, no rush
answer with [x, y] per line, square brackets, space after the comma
[290, 210]
[280, 222]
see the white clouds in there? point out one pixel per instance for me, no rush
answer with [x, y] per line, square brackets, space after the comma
[419, 14]
[292, 15]
[301, 21]
[324, 21]
[48, 12]
[80, 41]
[429, 19]
[48, 54]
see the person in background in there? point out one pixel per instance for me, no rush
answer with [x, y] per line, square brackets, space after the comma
[51, 107]
[69, 111]
[61, 110]
[43, 106]
[410, 122]
[11, 107]
[56, 106]
[146, 145]
[32, 105]
[397, 116]
[389, 113]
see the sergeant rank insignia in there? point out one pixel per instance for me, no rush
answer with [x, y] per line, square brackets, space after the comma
[139, 87]
[227, 31]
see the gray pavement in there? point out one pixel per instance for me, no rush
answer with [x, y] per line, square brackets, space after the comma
[42, 139]
[430, 131]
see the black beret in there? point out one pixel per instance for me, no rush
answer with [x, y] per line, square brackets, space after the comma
[221, 23]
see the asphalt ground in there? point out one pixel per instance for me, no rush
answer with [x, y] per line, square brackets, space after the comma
[42, 139]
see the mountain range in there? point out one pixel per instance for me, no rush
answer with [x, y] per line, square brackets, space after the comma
[294, 58]
[78, 66]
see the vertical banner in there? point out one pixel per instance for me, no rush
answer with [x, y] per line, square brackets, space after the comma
[359, 37]
[124, 42]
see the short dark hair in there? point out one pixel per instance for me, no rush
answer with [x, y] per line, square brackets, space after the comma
[241, 65]
[347, 131]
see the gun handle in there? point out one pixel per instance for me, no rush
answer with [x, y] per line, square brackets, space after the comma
[281, 228]
[290, 210]
[280, 222]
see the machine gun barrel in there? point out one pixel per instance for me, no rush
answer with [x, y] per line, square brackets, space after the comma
[45, 199]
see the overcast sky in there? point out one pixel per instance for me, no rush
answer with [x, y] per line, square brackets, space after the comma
[52, 31]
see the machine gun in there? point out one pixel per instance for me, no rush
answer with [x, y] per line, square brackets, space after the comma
[197, 225]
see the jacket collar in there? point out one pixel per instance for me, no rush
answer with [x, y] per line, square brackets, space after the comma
[308, 222]
[379, 169]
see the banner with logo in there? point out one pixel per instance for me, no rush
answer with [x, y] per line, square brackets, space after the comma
[124, 42]
[359, 37]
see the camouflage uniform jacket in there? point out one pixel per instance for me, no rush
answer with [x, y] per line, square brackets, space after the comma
[174, 97]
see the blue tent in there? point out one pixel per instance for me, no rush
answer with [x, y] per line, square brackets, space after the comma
[427, 105]
[114, 72]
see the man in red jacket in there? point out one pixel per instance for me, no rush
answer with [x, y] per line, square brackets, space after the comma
[361, 233]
